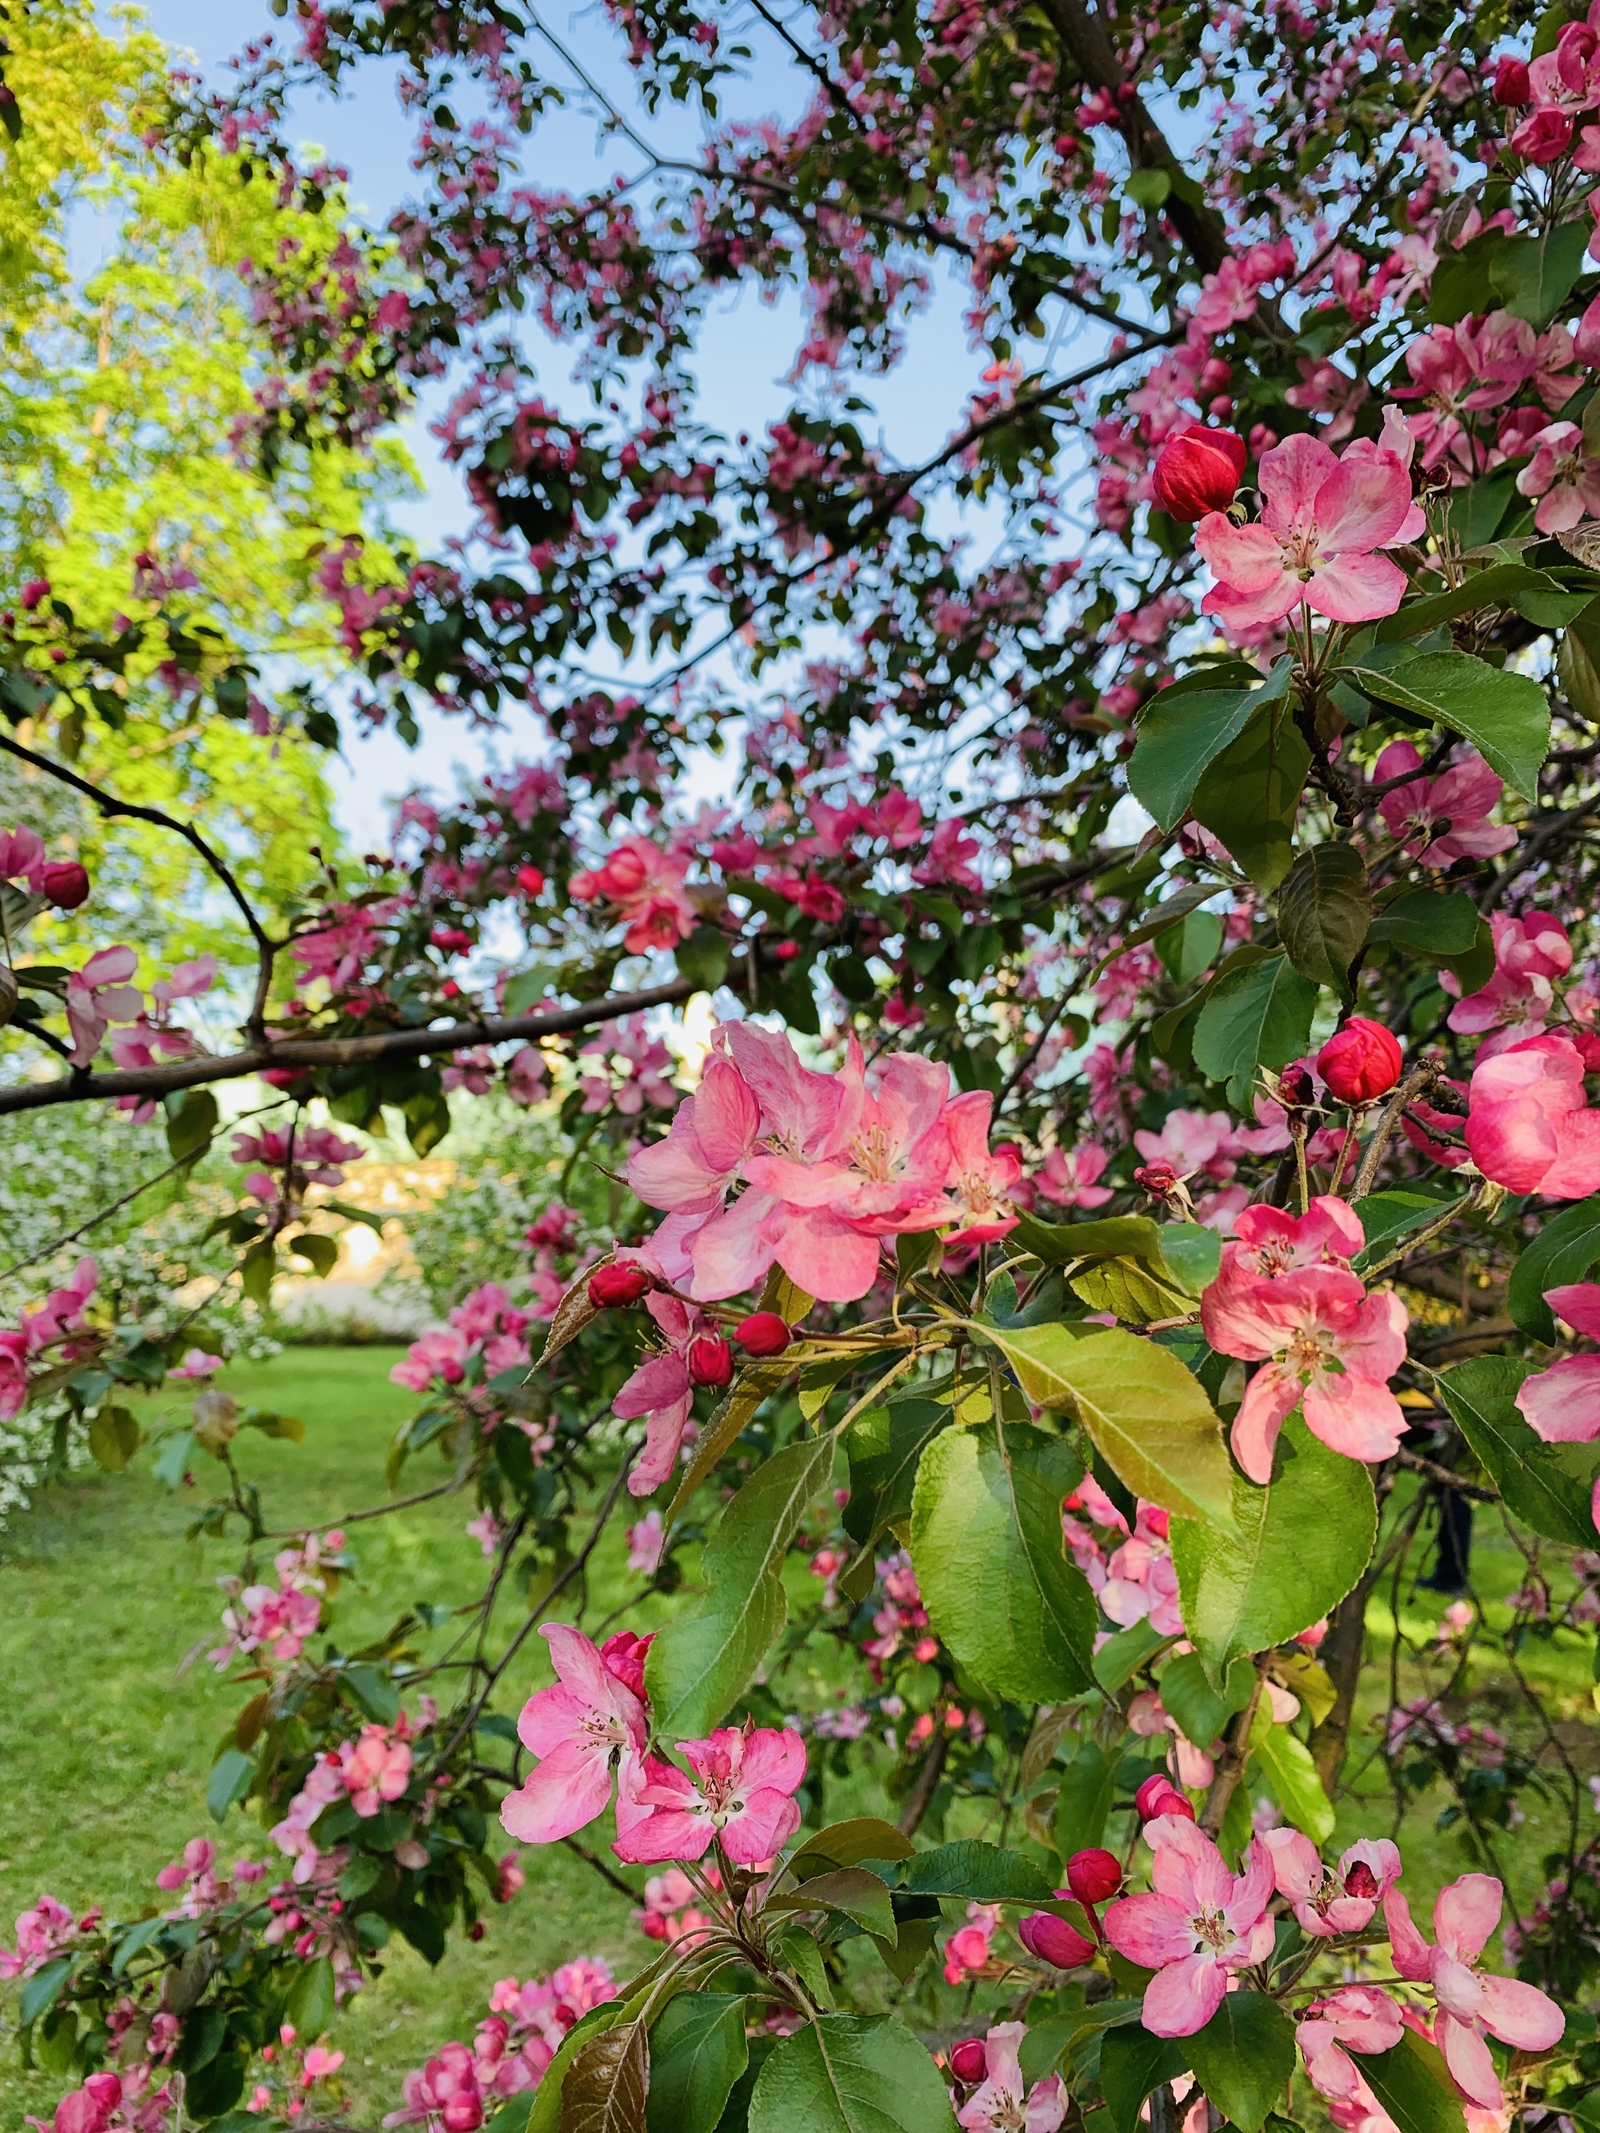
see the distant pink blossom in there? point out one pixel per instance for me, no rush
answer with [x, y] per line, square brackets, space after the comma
[1329, 1901]
[645, 884]
[1529, 1125]
[98, 995]
[1529, 954]
[1070, 1177]
[1462, 797]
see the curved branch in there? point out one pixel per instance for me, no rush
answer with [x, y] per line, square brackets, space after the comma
[341, 1051]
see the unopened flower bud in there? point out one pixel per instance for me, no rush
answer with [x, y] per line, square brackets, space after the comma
[1160, 1180]
[1513, 85]
[530, 881]
[1053, 1941]
[710, 1360]
[1296, 1089]
[65, 884]
[1158, 1796]
[618, 1285]
[969, 2061]
[1360, 1061]
[763, 1333]
[1197, 471]
[1094, 1876]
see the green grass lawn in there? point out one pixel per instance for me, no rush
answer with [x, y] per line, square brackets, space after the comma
[106, 1736]
[110, 1714]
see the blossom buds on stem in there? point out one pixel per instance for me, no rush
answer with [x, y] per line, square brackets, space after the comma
[763, 1333]
[968, 2061]
[710, 1361]
[1054, 1942]
[1197, 470]
[618, 1285]
[1360, 1062]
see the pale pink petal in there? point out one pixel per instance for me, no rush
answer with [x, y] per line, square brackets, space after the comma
[1521, 2015]
[1296, 1868]
[827, 1258]
[1467, 2057]
[1149, 1930]
[769, 1820]
[1246, 609]
[1354, 1416]
[1291, 478]
[568, 1790]
[663, 1439]
[1269, 1399]
[1563, 1403]
[1184, 1996]
[1356, 588]
[733, 1251]
[1248, 558]
[660, 1381]
[1413, 1958]
[1466, 1914]
[726, 1114]
[774, 1756]
[579, 1665]
[668, 1833]
[1362, 504]
[1186, 1865]
[549, 1717]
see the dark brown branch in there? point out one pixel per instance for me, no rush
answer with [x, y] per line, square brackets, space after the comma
[1446, 1477]
[920, 1798]
[1230, 1766]
[342, 1051]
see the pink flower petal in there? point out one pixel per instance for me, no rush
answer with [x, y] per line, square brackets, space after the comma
[1466, 1914]
[568, 1790]
[1471, 2067]
[1356, 588]
[1184, 1996]
[1563, 1403]
[1521, 2015]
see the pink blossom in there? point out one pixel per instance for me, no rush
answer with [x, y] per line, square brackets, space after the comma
[1563, 476]
[319, 2063]
[1528, 1125]
[1141, 1582]
[375, 1768]
[444, 2095]
[1462, 797]
[1529, 953]
[741, 1791]
[1357, 2018]
[1004, 2103]
[981, 1182]
[662, 1390]
[98, 995]
[21, 856]
[1199, 1923]
[967, 1949]
[1322, 518]
[582, 1730]
[197, 1364]
[435, 1355]
[1069, 1176]
[1563, 1403]
[950, 856]
[1470, 2004]
[646, 886]
[42, 1932]
[1331, 1901]
[1191, 1142]
[647, 1540]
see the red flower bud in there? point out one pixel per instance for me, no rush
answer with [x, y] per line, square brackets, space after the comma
[1094, 1876]
[1159, 1796]
[969, 2061]
[763, 1333]
[1197, 470]
[1157, 1179]
[1053, 1941]
[786, 951]
[530, 881]
[1360, 1061]
[619, 1284]
[65, 884]
[1512, 86]
[1296, 1088]
[710, 1360]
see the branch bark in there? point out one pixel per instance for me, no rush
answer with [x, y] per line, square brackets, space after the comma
[341, 1051]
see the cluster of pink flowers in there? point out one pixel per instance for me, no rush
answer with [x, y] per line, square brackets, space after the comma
[42, 1932]
[295, 1158]
[202, 1886]
[833, 1164]
[369, 1772]
[593, 1726]
[1530, 954]
[58, 1321]
[1285, 1297]
[485, 1335]
[671, 1905]
[131, 2101]
[275, 1622]
[510, 2053]
[626, 1069]
[1200, 1923]
[645, 885]
[1133, 1579]
[901, 1621]
[994, 2097]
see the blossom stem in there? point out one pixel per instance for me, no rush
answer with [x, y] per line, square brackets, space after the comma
[1413, 1085]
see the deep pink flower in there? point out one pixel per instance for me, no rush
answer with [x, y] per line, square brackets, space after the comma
[1199, 1923]
[375, 1768]
[582, 1730]
[1563, 1402]
[1321, 520]
[444, 2095]
[646, 885]
[1328, 1346]
[980, 1181]
[1464, 1917]
[742, 1790]
[1141, 1581]
[1562, 475]
[1462, 797]
[1529, 954]
[1197, 470]
[1529, 1127]
[1330, 1901]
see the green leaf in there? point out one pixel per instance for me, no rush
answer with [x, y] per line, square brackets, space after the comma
[1534, 594]
[1144, 1412]
[1563, 1250]
[1244, 2058]
[1131, 1289]
[1179, 734]
[42, 1989]
[191, 1122]
[1250, 795]
[375, 1692]
[697, 2053]
[1258, 1015]
[884, 1446]
[1123, 1653]
[608, 2083]
[136, 1938]
[1428, 924]
[976, 1871]
[1285, 1761]
[1534, 276]
[172, 1463]
[1481, 1396]
[310, 2003]
[1388, 1216]
[1061, 1243]
[1188, 949]
[703, 957]
[755, 1384]
[229, 1781]
[1505, 715]
[1132, 2063]
[700, 1663]
[256, 1270]
[850, 2074]
[320, 1253]
[1148, 188]
[1324, 910]
[544, 2113]
[1413, 2086]
[1087, 1793]
[851, 1890]
[114, 1437]
[1191, 1253]
[1457, 287]
[1200, 1710]
[1296, 1548]
[992, 1563]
